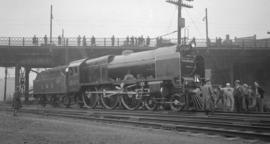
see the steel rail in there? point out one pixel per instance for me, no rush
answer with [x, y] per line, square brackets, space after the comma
[181, 115]
[200, 116]
[165, 125]
[176, 124]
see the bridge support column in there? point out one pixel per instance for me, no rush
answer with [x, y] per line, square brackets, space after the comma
[26, 85]
[17, 77]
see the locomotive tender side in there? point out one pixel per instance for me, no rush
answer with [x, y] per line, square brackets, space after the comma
[51, 81]
[50, 85]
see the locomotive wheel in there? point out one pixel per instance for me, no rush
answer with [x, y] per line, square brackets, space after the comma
[150, 103]
[90, 100]
[66, 101]
[130, 102]
[177, 102]
[109, 101]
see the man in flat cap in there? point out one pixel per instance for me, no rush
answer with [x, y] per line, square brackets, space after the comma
[238, 94]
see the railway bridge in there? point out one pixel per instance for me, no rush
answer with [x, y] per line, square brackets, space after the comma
[224, 63]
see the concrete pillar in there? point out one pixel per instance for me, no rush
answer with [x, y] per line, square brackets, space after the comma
[26, 85]
[17, 77]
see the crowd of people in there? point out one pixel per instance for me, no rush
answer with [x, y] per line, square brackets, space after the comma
[137, 41]
[239, 98]
[233, 99]
[84, 41]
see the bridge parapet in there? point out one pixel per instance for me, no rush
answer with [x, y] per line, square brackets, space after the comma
[100, 42]
[128, 42]
[75, 41]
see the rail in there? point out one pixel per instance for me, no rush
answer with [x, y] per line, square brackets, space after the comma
[247, 126]
[128, 42]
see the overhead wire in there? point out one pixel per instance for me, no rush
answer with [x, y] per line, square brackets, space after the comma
[173, 17]
[166, 34]
[194, 23]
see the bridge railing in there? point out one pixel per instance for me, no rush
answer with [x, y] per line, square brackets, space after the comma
[99, 42]
[73, 41]
[124, 42]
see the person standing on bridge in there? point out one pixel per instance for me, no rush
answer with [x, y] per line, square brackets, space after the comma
[259, 92]
[59, 40]
[127, 41]
[35, 41]
[93, 41]
[79, 40]
[192, 43]
[113, 40]
[84, 41]
[45, 40]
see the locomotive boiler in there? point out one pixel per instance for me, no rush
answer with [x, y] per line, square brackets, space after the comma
[160, 77]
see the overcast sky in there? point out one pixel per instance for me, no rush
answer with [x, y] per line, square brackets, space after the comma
[104, 18]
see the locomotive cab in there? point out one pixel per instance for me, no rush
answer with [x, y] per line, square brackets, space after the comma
[73, 76]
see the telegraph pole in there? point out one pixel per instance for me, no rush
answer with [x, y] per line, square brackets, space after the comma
[206, 25]
[181, 21]
[180, 25]
[51, 18]
[179, 28]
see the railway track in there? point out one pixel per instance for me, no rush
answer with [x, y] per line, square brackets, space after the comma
[248, 126]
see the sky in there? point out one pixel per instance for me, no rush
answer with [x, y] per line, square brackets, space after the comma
[104, 18]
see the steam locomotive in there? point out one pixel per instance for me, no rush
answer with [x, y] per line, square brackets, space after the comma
[153, 78]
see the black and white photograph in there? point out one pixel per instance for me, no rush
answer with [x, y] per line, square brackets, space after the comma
[134, 72]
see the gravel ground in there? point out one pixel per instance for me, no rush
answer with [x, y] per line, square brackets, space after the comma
[34, 129]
